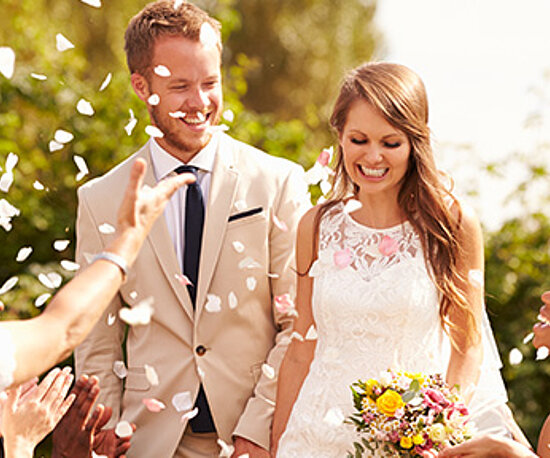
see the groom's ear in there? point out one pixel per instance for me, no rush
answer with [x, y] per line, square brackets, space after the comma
[140, 85]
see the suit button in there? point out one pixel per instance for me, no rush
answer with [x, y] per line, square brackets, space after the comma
[200, 350]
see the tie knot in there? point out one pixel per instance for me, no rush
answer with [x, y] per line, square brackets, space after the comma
[187, 169]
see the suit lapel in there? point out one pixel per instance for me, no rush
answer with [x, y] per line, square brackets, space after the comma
[161, 243]
[220, 200]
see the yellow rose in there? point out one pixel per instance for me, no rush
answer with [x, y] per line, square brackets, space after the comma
[369, 385]
[438, 433]
[418, 439]
[389, 402]
[406, 442]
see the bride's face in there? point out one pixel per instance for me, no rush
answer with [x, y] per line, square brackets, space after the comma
[376, 154]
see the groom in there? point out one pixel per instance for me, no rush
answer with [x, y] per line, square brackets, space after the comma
[211, 267]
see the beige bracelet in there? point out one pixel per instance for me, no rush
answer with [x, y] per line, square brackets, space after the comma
[116, 260]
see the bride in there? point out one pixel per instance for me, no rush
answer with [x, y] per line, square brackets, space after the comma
[390, 274]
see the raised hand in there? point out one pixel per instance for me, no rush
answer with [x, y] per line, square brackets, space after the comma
[107, 443]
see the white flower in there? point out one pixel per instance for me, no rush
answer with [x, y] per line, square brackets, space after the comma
[437, 433]
[385, 378]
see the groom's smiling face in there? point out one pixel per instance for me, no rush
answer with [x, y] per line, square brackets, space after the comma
[188, 99]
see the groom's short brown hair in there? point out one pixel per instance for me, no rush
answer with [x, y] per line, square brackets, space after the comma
[163, 18]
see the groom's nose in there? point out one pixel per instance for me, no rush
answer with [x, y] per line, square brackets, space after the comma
[198, 99]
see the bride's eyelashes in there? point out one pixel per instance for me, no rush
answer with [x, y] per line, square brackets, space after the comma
[390, 145]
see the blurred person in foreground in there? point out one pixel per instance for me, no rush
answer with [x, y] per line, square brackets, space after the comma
[212, 267]
[495, 446]
[29, 347]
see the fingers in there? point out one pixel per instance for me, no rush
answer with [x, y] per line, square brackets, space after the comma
[136, 177]
[544, 313]
[546, 297]
[93, 422]
[105, 417]
[542, 335]
[55, 396]
[166, 188]
[123, 444]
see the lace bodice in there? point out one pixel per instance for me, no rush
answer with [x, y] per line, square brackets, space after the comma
[375, 307]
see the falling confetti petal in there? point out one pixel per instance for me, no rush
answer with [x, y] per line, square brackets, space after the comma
[153, 405]
[54, 146]
[177, 114]
[119, 368]
[133, 295]
[268, 371]
[154, 131]
[139, 315]
[7, 61]
[311, 333]
[208, 36]
[284, 303]
[325, 156]
[352, 205]
[280, 224]
[123, 429]
[82, 167]
[151, 375]
[296, 335]
[342, 258]
[334, 417]
[6, 181]
[232, 299]
[154, 99]
[325, 187]
[228, 115]
[62, 136]
[23, 253]
[38, 186]
[8, 285]
[226, 450]
[251, 283]
[388, 246]
[106, 82]
[62, 43]
[213, 303]
[163, 71]
[94, 3]
[249, 263]
[475, 277]
[238, 246]
[542, 353]
[106, 228]
[528, 337]
[182, 401]
[515, 357]
[183, 279]
[240, 205]
[131, 123]
[38, 76]
[189, 415]
[41, 300]
[60, 245]
[11, 161]
[7, 212]
[111, 319]
[85, 108]
[69, 266]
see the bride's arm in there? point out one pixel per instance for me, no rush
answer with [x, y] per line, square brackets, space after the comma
[467, 354]
[295, 365]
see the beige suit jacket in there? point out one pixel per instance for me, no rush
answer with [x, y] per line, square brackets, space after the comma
[238, 339]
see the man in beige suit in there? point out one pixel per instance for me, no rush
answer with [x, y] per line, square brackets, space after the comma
[216, 341]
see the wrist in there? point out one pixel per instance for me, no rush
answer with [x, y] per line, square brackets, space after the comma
[18, 447]
[126, 245]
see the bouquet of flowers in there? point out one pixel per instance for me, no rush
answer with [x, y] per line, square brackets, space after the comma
[407, 415]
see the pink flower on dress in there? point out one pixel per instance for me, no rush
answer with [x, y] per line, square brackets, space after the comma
[284, 303]
[342, 258]
[388, 246]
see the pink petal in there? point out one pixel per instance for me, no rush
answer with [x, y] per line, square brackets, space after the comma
[284, 303]
[280, 224]
[324, 157]
[183, 279]
[388, 246]
[342, 258]
[153, 405]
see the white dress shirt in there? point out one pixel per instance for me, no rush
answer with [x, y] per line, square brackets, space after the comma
[174, 213]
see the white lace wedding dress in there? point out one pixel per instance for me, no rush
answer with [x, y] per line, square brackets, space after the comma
[373, 311]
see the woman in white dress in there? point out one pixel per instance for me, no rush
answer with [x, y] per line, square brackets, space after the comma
[396, 283]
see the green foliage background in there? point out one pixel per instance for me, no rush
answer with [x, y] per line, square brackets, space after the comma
[282, 64]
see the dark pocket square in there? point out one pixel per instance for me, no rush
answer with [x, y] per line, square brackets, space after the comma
[245, 214]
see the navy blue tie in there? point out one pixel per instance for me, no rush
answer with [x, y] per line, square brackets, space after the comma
[194, 222]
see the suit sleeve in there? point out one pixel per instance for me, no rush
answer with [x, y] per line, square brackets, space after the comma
[98, 352]
[255, 422]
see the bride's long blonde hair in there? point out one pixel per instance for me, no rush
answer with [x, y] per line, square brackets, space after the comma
[400, 97]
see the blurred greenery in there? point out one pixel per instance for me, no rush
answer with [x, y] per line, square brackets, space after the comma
[282, 64]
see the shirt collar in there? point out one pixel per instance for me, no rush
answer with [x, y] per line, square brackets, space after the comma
[164, 163]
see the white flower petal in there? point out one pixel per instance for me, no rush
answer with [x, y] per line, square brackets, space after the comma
[119, 368]
[131, 123]
[106, 228]
[39, 76]
[38, 186]
[50, 280]
[138, 315]
[334, 417]
[182, 401]
[82, 167]
[325, 187]
[11, 161]
[213, 303]
[296, 335]
[153, 405]
[41, 300]
[249, 263]
[151, 375]
[154, 99]
[251, 283]
[111, 319]
[238, 246]
[6, 181]
[85, 108]
[528, 337]
[189, 415]
[515, 357]
[123, 429]
[240, 205]
[94, 3]
[208, 36]
[273, 275]
[226, 450]
[232, 299]
[268, 371]
[7, 61]
[69, 266]
[475, 277]
[542, 353]
[133, 295]
[62, 136]
[154, 131]
[60, 245]
[23, 253]
[311, 333]
[8, 285]
[54, 146]
[162, 71]
[106, 82]
[228, 115]
[62, 43]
